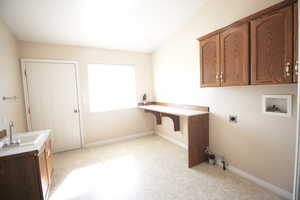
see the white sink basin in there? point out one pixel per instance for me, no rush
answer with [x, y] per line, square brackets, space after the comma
[31, 139]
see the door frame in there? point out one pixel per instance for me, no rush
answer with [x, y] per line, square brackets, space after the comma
[297, 152]
[26, 97]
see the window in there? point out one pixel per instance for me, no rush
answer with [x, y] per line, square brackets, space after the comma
[111, 87]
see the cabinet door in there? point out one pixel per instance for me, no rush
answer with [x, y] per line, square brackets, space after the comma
[210, 61]
[295, 75]
[272, 47]
[19, 178]
[235, 56]
[43, 173]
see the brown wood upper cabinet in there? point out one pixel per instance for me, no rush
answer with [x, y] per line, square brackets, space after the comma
[272, 48]
[259, 49]
[210, 61]
[235, 56]
[225, 58]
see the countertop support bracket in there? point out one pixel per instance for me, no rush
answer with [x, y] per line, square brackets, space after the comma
[175, 119]
[157, 116]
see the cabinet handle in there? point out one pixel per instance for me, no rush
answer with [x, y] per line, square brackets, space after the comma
[296, 68]
[218, 77]
[221, 76]
[287, 69]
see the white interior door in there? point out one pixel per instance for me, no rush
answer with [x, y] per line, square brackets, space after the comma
[53, 102]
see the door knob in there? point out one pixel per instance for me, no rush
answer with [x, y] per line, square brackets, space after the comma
[76, 111]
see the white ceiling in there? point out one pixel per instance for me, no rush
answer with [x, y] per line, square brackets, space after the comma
[136, 25]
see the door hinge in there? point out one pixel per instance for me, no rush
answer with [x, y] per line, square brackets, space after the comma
[25, 73]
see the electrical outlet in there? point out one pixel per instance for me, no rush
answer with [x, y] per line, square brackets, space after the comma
[233, 118]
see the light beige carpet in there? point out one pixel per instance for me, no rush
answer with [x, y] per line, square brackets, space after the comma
[148, 168]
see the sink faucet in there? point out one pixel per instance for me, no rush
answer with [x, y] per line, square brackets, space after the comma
[11, 142]
[11, 126]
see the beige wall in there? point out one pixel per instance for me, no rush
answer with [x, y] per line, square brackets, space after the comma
[10, 81]
[258, 144]
[101, 125]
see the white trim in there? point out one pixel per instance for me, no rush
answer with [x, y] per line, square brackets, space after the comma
[181, 144]
[25, 60]
[25, 87]
[120, 139]
[277, 190]
[26, 98]
[79, 103]
[296, 187]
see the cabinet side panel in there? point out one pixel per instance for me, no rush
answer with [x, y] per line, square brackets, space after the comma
[198, 138]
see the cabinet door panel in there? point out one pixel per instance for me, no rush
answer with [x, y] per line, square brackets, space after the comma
[272, 46]
[210, 62]
[18, 178]
[235, 56]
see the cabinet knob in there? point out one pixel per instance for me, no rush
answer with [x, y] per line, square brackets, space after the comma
[221, 76]
[217, 77]
[287, 69]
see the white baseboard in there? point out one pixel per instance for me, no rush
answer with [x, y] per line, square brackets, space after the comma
[174, 141]
[280, 192]
[129, 137]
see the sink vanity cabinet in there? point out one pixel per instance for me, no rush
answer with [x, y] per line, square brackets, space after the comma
[27, 175]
